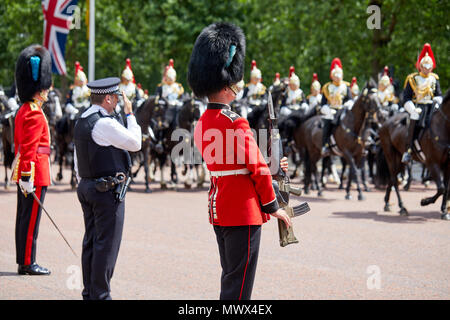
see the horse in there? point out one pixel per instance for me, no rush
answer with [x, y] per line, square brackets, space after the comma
[144, 115]
[431, 147]
[347, 135]
[7, 123]
[159, 147]
[188, 117]
[65, 146]
[53, 113]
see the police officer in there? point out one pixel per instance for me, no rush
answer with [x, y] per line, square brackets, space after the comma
[241, 197]
[31, 167]
[102, 162]
[336, 95]
[422, 89]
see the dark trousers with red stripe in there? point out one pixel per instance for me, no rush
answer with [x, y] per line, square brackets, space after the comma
[238, 249]
[103, 221]
[27, 225]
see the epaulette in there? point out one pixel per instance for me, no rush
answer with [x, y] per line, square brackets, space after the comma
[409, 78]
[346, 83]
[434, 75]
[33, 106]
[230, 114]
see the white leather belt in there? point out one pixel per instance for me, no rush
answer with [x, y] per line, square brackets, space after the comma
[229, 172]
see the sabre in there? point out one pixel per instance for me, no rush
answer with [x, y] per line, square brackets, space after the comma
[48, 215]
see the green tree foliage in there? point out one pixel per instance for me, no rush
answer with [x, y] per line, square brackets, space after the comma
[306, 34]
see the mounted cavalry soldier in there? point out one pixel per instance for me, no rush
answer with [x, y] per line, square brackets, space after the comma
[31, 167]
[386, 93]
[294, 99]
[255, 91]
[172, 91]
[315, 96]
[354, 89]
[241, 195]
[79, 95]
[422, 91]
[336, 96]
[128, 85]
[103, 164]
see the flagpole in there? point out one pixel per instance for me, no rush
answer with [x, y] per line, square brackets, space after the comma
[91, 40]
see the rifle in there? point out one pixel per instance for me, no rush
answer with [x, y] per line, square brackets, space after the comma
[280, 180]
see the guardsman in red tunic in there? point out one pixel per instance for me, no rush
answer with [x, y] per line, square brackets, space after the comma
[31, 169]
[241, 196]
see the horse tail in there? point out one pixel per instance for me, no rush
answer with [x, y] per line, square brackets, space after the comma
[383, 174]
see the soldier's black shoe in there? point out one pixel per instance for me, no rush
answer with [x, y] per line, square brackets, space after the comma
[33, 269]
[406, 158]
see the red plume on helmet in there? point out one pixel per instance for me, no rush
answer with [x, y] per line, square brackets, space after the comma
[336, 62]
[353, 82]
[291, 71]
[425, 50]
[386, 71]
[77, 68]
[277, 76]
[128, 62]
[315, 77]
[253, 65]
[171, 63]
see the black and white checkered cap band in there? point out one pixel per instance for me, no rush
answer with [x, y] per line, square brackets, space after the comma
[109, 90]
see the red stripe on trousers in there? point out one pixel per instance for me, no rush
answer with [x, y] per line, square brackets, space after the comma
[248, 258]
[31, 226]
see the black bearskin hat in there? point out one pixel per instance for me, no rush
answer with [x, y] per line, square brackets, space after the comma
[217, 60]
[33, 72]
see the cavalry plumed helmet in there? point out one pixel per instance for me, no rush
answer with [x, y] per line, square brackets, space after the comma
[217, 59]
[33, 72]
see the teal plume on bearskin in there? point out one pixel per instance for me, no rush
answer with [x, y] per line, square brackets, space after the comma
[217, 59]
[33, 72]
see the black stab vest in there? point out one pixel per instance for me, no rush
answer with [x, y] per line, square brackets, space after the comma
[95, 161]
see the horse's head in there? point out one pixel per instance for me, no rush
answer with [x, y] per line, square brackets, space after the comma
[369, 97]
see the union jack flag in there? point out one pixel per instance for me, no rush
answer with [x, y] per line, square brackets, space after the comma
[58, 16]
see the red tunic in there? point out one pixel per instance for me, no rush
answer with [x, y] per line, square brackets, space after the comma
[32, 141]
[226, 143]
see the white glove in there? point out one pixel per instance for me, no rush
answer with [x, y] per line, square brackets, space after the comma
[13, 106]
[326, 110]
[438, 99]
[26, 186]
[412, 110]
[349, 104]
[304, 106]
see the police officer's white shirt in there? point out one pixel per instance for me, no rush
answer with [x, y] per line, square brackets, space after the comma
[110, 132]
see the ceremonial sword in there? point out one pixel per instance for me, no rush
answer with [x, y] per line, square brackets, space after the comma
[48, 215]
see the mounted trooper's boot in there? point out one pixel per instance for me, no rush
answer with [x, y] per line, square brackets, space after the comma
[326, 132]
[406, 158]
